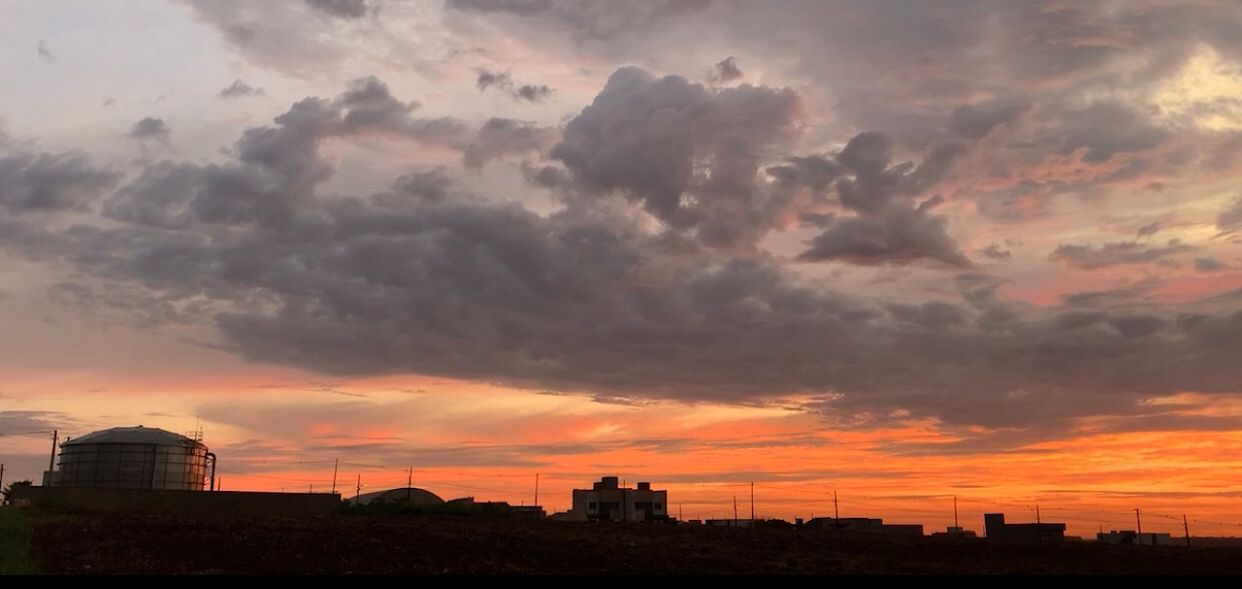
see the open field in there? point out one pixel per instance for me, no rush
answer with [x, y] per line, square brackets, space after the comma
[126, 544]
[15, 557]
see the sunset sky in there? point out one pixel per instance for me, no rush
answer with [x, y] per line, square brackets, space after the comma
[901, 250]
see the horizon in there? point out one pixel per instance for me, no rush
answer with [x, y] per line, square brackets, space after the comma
[898, 251]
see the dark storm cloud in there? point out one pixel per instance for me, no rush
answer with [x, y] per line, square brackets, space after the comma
[45, 182]
[645, 137]
[887, 226]
[1087, 257]
[151, 129]
[726, 71]
[340, 8]
[426, 278]
[239, 89]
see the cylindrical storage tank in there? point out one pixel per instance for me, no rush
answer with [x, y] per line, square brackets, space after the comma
[133, 458]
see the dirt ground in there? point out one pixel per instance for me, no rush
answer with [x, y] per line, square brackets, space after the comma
[112, 544]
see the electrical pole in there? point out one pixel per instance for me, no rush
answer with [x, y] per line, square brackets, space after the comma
[679, 516]
[358, 492]
[2, 477]
[536, 489]
[51, 463]
[409, 485]
[1037, 520]
[836, 511]
[335, 465]
[735, 511]
[752, 502]
[1185, 524]
[955, 524]
[1138, 522]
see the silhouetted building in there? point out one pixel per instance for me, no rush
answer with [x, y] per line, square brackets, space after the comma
[607, 500]
[407, 495]
[500, 508]
[996, 529]
[732, 523]
[863, 525]
[1130, 537]
[955, 532]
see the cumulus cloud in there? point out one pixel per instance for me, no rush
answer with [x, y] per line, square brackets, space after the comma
[690, 155]
[239, 89]
[887, 226]
[151, 129]
[592, 297]
[46, 182]
[1087, 257]
[726, 71]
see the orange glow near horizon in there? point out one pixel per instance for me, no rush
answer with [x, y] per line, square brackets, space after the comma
[489, 442]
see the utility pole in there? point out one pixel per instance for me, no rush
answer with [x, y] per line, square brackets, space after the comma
[409, 485]
[358, 492]
[1185, 523]
[536, 489]
[679, 516]
[335, 465]
[1037, 520]
[1, 476]
[752, 502]
[51, 463]
[955, 524]
[1138, 522]
[836, 511]
[735, 511]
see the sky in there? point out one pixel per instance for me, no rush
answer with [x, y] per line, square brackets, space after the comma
[901, 251]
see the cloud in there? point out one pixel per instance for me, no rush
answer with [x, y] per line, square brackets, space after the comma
[1230, 219]
[340, 8]
[592, 296]
[586, 19]
[151, 129]
[887, 227]
[995, 252]
[1209, 265]
[500, 137]
[726, 71]
[977, 122]
[503, 81]
[1086, 257]
[46, 182]
[645, 137]
[239, 89]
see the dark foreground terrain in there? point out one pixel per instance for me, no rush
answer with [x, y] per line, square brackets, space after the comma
[420, 545]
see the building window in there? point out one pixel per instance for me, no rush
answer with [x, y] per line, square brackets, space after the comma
[659, 506]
